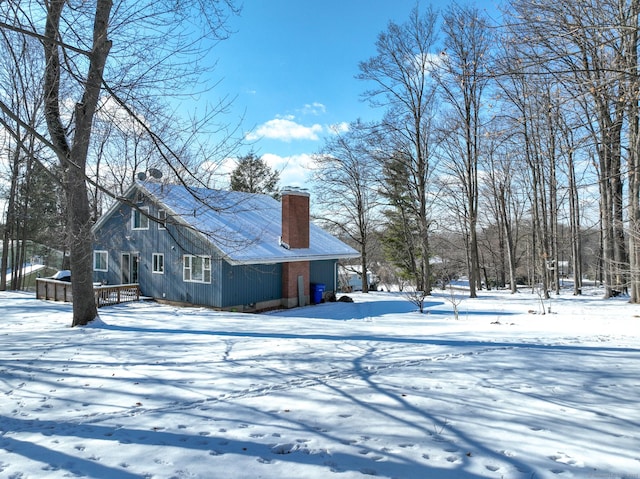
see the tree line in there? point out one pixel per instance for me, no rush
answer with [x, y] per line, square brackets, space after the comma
[507, 152]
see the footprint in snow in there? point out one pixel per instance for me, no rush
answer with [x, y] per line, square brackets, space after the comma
[563, 458]
[492, 468]
[369, 472]
[48, 467]
[333, 467]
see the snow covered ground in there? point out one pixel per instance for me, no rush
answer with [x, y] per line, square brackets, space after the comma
[26, 270]
[336, 390]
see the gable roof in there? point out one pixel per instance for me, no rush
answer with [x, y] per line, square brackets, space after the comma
[244, 228]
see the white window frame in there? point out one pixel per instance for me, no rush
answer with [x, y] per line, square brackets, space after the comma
[196, 269]
[97, 254]
[140, 216]
[162, 219]
[157, 263]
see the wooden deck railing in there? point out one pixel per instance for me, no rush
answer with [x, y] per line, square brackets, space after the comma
[116, 293]
[55, 290]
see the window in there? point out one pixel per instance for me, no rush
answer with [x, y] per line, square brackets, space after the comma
[140, 218]
[158, 263]
[197, 269]
[162, 219]
[100, 261]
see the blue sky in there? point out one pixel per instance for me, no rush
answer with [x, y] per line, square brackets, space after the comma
[291, 65]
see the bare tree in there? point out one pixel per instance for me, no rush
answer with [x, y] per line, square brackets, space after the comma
[630, 48]
[503, 180]
[72, 153]
[23, 93]
[462, 77]
[401, 77]
[569, 146]
[346, 173]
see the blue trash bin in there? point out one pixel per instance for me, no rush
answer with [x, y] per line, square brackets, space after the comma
[317, 292]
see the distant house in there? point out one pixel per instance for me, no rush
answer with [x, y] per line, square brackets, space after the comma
[350, 278]
[222, 249]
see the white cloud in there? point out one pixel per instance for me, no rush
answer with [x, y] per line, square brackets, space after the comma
[315, 108]
[285, 129]
[294, 170]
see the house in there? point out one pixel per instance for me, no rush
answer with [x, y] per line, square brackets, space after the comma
[350, 278]
[222, 249]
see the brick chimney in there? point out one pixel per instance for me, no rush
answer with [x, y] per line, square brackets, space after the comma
[295, 234]
[295, 218]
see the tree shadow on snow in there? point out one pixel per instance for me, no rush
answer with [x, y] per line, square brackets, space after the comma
[212, 445]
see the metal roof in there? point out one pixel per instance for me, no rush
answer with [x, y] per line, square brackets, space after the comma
[244, 227]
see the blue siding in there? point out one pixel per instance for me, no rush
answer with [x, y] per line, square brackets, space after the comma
[324, 272]
[116, 236]
[111, 238]
[247, 285]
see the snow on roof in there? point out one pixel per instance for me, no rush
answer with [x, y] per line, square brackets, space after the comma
[245, 227]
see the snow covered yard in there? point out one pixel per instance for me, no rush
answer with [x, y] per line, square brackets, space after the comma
[336, 390]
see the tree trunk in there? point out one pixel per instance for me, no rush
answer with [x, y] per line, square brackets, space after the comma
[509, 241]
[634, 152]
[73, 158]
[574, 215]
[9, 224]
[363, 265]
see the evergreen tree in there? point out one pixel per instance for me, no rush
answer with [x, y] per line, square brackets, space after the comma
[253, 175]
[401, 238]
